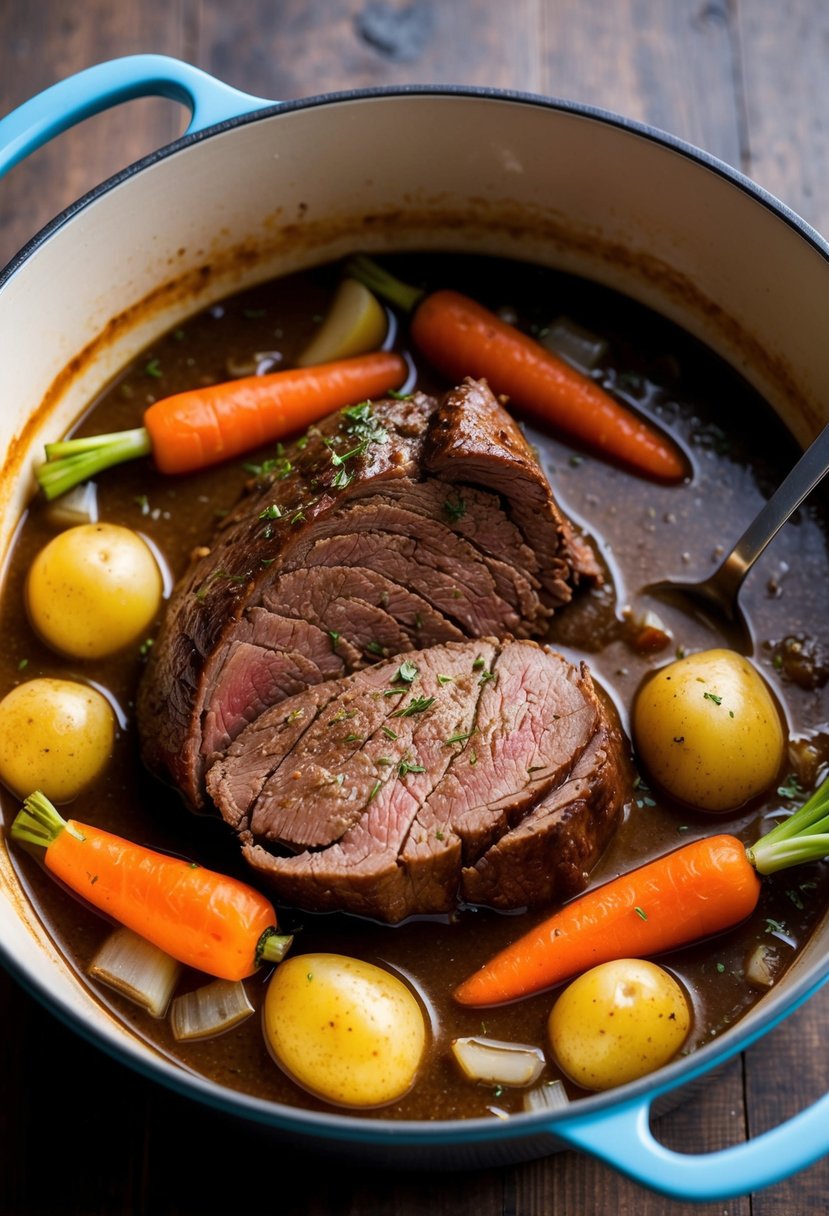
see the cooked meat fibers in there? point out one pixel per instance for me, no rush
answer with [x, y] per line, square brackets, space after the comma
[390, 527]
[484, 772]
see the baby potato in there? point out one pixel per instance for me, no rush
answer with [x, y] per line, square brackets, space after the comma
[55, 736]
[707, 729]
[346, 1030]
[618, 1021]
[93, 589]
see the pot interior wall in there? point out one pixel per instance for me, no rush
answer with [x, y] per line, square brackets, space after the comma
[294, 188]
[288, 189]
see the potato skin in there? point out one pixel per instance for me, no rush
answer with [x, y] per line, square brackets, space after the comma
[707, 730]
[617, 1022]
[93, 589]
[55, 736]
[348, 1031]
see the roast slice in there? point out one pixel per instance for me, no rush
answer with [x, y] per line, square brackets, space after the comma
[484, 771]
[390, 527]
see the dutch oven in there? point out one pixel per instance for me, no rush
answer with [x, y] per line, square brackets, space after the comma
[263, 188]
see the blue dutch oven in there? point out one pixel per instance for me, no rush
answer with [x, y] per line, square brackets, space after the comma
[258, 188]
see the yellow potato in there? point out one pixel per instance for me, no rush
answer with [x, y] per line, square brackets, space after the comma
[93, 590]
[346, 1030]
[55, 736]
[618, 1021]
[707, 729]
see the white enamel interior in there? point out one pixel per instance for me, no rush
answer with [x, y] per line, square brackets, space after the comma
[451, 171]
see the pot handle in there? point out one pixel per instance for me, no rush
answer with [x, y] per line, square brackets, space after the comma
[622, 1137]
[94, 89]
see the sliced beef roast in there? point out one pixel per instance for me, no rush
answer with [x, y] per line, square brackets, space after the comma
[389, 527]
[481, 771]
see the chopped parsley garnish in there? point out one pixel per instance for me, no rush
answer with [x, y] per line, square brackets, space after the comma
[153, 368]
[445, 679]
[406, 672]
[389, 733]
[405, 767]
[712, 696]
[417, 706]
[342, 714]
[271, 512]
[361, 422]
[295, 714]
[374, 790]
[334, 636]
[374, 648]
[641, 913]
[455, 509]
[486, 676]
[354, 739]
[461, 737]
[479, 663]
[791, 789]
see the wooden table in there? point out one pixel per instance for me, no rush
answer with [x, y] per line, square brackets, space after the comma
[746, 80]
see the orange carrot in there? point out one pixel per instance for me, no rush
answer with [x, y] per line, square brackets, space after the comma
[200, 427]
[462, 338]
[205, 920]
[703, 888]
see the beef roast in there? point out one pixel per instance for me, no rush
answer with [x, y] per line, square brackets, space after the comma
[390, 527]
[481, 771]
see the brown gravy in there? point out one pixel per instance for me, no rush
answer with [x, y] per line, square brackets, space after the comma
[739, 453]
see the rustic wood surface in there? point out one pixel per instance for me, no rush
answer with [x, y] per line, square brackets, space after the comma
[745, 79]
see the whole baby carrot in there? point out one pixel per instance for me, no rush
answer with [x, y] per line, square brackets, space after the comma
[705, 887]
[205, 920]
[702, 888]
[203, 426]
[462, 338]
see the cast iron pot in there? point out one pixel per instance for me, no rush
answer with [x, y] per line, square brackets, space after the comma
[257, 188]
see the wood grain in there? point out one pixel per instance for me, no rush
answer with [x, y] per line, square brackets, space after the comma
[744, 79]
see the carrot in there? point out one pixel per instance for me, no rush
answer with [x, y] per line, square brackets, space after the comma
[705, 887]
[205, 920]
[198, 428]
[462, 338]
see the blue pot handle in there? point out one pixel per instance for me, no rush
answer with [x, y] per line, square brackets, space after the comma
[621, 1136]
[107, 84]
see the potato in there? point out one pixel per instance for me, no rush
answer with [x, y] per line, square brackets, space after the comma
[708, 730]
[618, 1021]
[93, 589]
[348, 1031]
[55, 736]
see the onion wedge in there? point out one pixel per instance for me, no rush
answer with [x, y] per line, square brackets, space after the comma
[494, 1062]
[137, 969]
[547, 1097]
[210, 1010]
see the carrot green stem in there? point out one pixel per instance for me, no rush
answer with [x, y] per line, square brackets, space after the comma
[39, 822]
[272, 947]
[382, 283]
[803, 836]
[72, 461]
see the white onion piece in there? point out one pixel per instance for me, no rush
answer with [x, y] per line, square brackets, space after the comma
[210, 1010]
[548, 1097]
[77, 506]
[137, 969]
[494, 1062]
[580, 347]
[762, 966]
